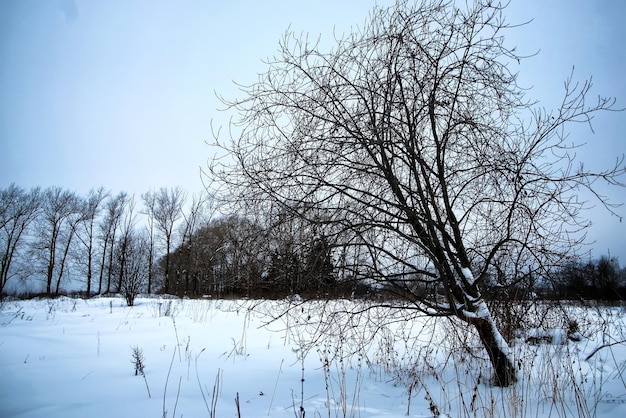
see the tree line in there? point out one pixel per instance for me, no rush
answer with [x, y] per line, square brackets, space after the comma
[55, 241]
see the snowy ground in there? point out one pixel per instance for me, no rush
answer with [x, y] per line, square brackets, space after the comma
[72, 358]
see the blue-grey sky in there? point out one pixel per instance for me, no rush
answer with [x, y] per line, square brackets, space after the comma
[121, 93]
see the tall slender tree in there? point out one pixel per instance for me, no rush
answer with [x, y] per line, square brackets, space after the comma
[55, 229]
[72, 222]
[124, 244]
[18, 209]
[109, 225]
[149, 202]
[86, 234]
[135, 265]
[167, 211]
[193, 219]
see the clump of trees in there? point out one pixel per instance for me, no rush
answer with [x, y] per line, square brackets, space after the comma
[18, 210]
[600, 279]
[235, 256]
[55, 241]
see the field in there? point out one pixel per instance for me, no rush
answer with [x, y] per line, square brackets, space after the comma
[221, 358]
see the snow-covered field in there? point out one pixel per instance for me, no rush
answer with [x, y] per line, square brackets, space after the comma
[73, 358]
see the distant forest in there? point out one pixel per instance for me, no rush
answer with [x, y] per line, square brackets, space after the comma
[54, 241]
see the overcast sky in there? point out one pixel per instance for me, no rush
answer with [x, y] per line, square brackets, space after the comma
[121, 93]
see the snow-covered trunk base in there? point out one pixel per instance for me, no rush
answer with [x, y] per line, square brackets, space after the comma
[498, 350]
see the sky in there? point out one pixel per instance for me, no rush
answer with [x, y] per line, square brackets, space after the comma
[122, 93]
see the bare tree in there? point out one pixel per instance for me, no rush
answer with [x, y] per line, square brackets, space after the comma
[91, 208]
[239, 259]
[134, 272]
[56, 227]
[124, 249]
[195, 217]
[167, 211]
[109, 225]
[415, 142]
[18, 209]
[206, 250]
[223, 256]
[149, 201]
[71, 224]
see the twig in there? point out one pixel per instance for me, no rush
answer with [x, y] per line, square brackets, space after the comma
[216, 391]
[200, 384]
[177, 396]
[603, 346]
[280, 369]
[166, 380]
[177, 341]
[294, 402]
[237, 404]
[145, 380]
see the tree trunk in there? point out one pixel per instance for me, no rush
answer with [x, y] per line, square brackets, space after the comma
[498, 350]
[110, 269]
[150, 261]
[50, 270]
[166, 284]
[103, 263]
[90, 261]
[89, 273]
[63, 261]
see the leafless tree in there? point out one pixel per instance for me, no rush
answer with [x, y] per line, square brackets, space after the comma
[238, 262]
[149, 201]
[225, 256]
[209, 248]
[167, 211]
[196, 216]
[18, 209]
[91, 208]
[123, 251]
[108, 226]
[56, 227]
[415, 142]
[133, 273]
[71, 225]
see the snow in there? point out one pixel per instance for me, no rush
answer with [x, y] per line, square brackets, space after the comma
[467, 273]
[72, 358]
[482, 312]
